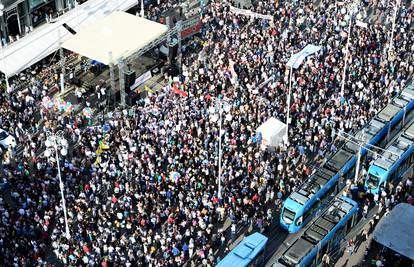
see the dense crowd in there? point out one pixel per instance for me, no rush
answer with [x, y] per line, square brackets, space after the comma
[373, 209]
[144, 191]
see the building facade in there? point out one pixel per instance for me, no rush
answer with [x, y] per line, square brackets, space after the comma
[19, 17]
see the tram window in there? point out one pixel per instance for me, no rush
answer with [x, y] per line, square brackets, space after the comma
[384, 141]
[307, 214]
[404, 165]
[400, 168]
[323, 251]
[337, 238]
[391, 177]
[311, 210]
[314, 261]
[410, 159]
[372, 180]
[351, 172]
[332, 189]
[288, 215]
[258, 259]
[349, 224]
[393, 128]
[409, 115]
[386, 130]
[399, 126]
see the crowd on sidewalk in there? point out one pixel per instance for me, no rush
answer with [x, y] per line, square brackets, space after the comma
[144, 191]
[360, 248]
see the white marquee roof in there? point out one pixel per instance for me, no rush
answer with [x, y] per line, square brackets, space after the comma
[45, 39]
[115, 36]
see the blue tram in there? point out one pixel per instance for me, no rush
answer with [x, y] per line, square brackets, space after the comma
[390, 166]
[323, 236]
[249, 252]
[323, 184]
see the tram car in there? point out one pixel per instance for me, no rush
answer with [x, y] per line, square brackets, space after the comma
[322, 185]
[392, 163]
[323, 236]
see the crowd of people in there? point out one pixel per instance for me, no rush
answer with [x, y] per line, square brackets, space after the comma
[143, 189]
[373, 209]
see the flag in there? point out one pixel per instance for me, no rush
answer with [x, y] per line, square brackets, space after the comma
[180, 92]
[103, 146]
[148, 89]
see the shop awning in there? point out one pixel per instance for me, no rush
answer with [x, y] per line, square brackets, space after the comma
[396, 231]
[116, 36]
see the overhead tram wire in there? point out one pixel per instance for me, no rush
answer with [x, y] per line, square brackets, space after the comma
[363, 146]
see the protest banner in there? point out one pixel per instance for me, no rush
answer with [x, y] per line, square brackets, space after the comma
[190, 27]
[249, 13]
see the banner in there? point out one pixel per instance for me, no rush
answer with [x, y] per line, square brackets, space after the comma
[246, 12]
[141, 79]
[296, 60]
[190, 27]
[361, 24]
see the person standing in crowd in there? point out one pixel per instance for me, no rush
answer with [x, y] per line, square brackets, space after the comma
[145, 191]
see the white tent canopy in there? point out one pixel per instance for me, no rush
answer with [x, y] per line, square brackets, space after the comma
[272, 132]
[46, 39]
[114, 37]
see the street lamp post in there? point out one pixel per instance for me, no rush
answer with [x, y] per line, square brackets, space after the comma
[288, 105]
[357, 164]
[351, 10]
[220, 151]
[346, 57]
[391, 45]
[213, 111]
[57, 142]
